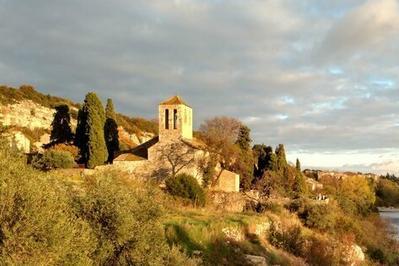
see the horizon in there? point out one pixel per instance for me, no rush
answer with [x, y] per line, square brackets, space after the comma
[320, 78]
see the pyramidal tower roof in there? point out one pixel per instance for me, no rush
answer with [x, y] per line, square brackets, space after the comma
[174, 100]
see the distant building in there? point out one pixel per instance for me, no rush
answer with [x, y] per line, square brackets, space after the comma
[175, 150]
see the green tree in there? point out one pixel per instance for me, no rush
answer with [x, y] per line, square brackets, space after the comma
[111, 131]
[355, 195]
[263, 156]
[90, 132]
[81, 137]
[244, 139]
[244, 166]
[298, 165]
[281, 158]
[61, 126]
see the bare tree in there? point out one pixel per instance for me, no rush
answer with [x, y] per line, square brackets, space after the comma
[220, 135]
[178, 156]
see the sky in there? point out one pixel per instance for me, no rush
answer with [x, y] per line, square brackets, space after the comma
[319, 76]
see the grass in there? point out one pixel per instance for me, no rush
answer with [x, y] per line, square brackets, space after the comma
[205, 230]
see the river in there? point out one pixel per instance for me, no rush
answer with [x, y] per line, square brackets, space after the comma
[392, 215]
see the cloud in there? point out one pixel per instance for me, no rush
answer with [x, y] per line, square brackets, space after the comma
[368, 28]
[315, 75]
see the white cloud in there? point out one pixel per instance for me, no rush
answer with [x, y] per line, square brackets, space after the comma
[315, 75]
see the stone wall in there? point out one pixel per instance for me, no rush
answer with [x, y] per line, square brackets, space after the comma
[164, 155]
[228, 181]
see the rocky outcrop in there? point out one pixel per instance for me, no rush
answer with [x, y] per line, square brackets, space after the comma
[353, 255]
[256, 260]
[18, 141]
[27, 114]
[31, 115]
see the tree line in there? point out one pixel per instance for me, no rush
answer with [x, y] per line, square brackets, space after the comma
[96, 135]
[229, 142]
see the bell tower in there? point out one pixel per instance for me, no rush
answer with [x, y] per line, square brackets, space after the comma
[175, 120]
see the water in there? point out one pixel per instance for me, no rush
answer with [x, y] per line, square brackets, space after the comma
[392, 215]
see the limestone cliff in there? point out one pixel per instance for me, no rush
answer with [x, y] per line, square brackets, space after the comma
[26, 116]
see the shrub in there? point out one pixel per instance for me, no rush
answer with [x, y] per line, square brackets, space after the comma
[290, 239]
[320, 216]
[37, 224]
[125, 220]
[322, 251]
[72, 149]
[387, 192]
[186, 186]
[53, 159]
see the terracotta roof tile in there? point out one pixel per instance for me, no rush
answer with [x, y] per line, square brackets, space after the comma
[174, 100]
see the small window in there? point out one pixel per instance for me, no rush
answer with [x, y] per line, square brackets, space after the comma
[174, 119]
[167, 119]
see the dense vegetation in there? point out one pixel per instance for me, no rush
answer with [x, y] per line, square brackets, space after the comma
[106, 220]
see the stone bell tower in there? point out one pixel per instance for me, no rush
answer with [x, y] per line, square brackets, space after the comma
[175, 120]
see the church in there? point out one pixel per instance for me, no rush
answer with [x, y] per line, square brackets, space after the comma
[174, 151]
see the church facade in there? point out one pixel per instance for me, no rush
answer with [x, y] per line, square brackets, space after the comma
[174, 151]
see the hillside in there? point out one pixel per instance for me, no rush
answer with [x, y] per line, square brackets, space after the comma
[27, 114]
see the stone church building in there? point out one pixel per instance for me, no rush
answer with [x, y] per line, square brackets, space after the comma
[174, 151]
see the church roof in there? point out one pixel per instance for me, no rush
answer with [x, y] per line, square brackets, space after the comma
[138, 153]
[174, 100]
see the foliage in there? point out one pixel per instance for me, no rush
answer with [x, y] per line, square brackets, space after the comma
[355, 195]
[387, 193]
[90, 132]
[53, 159]
[186, 186]
[111, 131]
[244, 166]
[263, 155]
[298, 165]
[125, 221]
[9, 95]
[73, 150]
[243, 139]
[300, 188]
[220, 135]
[61, 126]
[320, 216]
[281, 158]
[290, 239]
[229, 140]
[37, 224]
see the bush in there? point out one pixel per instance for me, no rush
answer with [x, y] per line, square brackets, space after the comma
[37, 224]
[53, 159]
[72, 149]
[322, 251]
[186, 186]
[290, 239]
[320, 216]
[387, 192]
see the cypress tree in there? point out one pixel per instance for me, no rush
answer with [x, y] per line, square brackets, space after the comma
[61, 126]
[81, 137]
[298, 165]
[111, 131]
[90, 132]
[281, 158]
[244, 139]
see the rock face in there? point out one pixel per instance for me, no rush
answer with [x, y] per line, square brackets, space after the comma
[256, 260]
[19, 141]
[27, 114]
[31, 115]
[353, 255]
